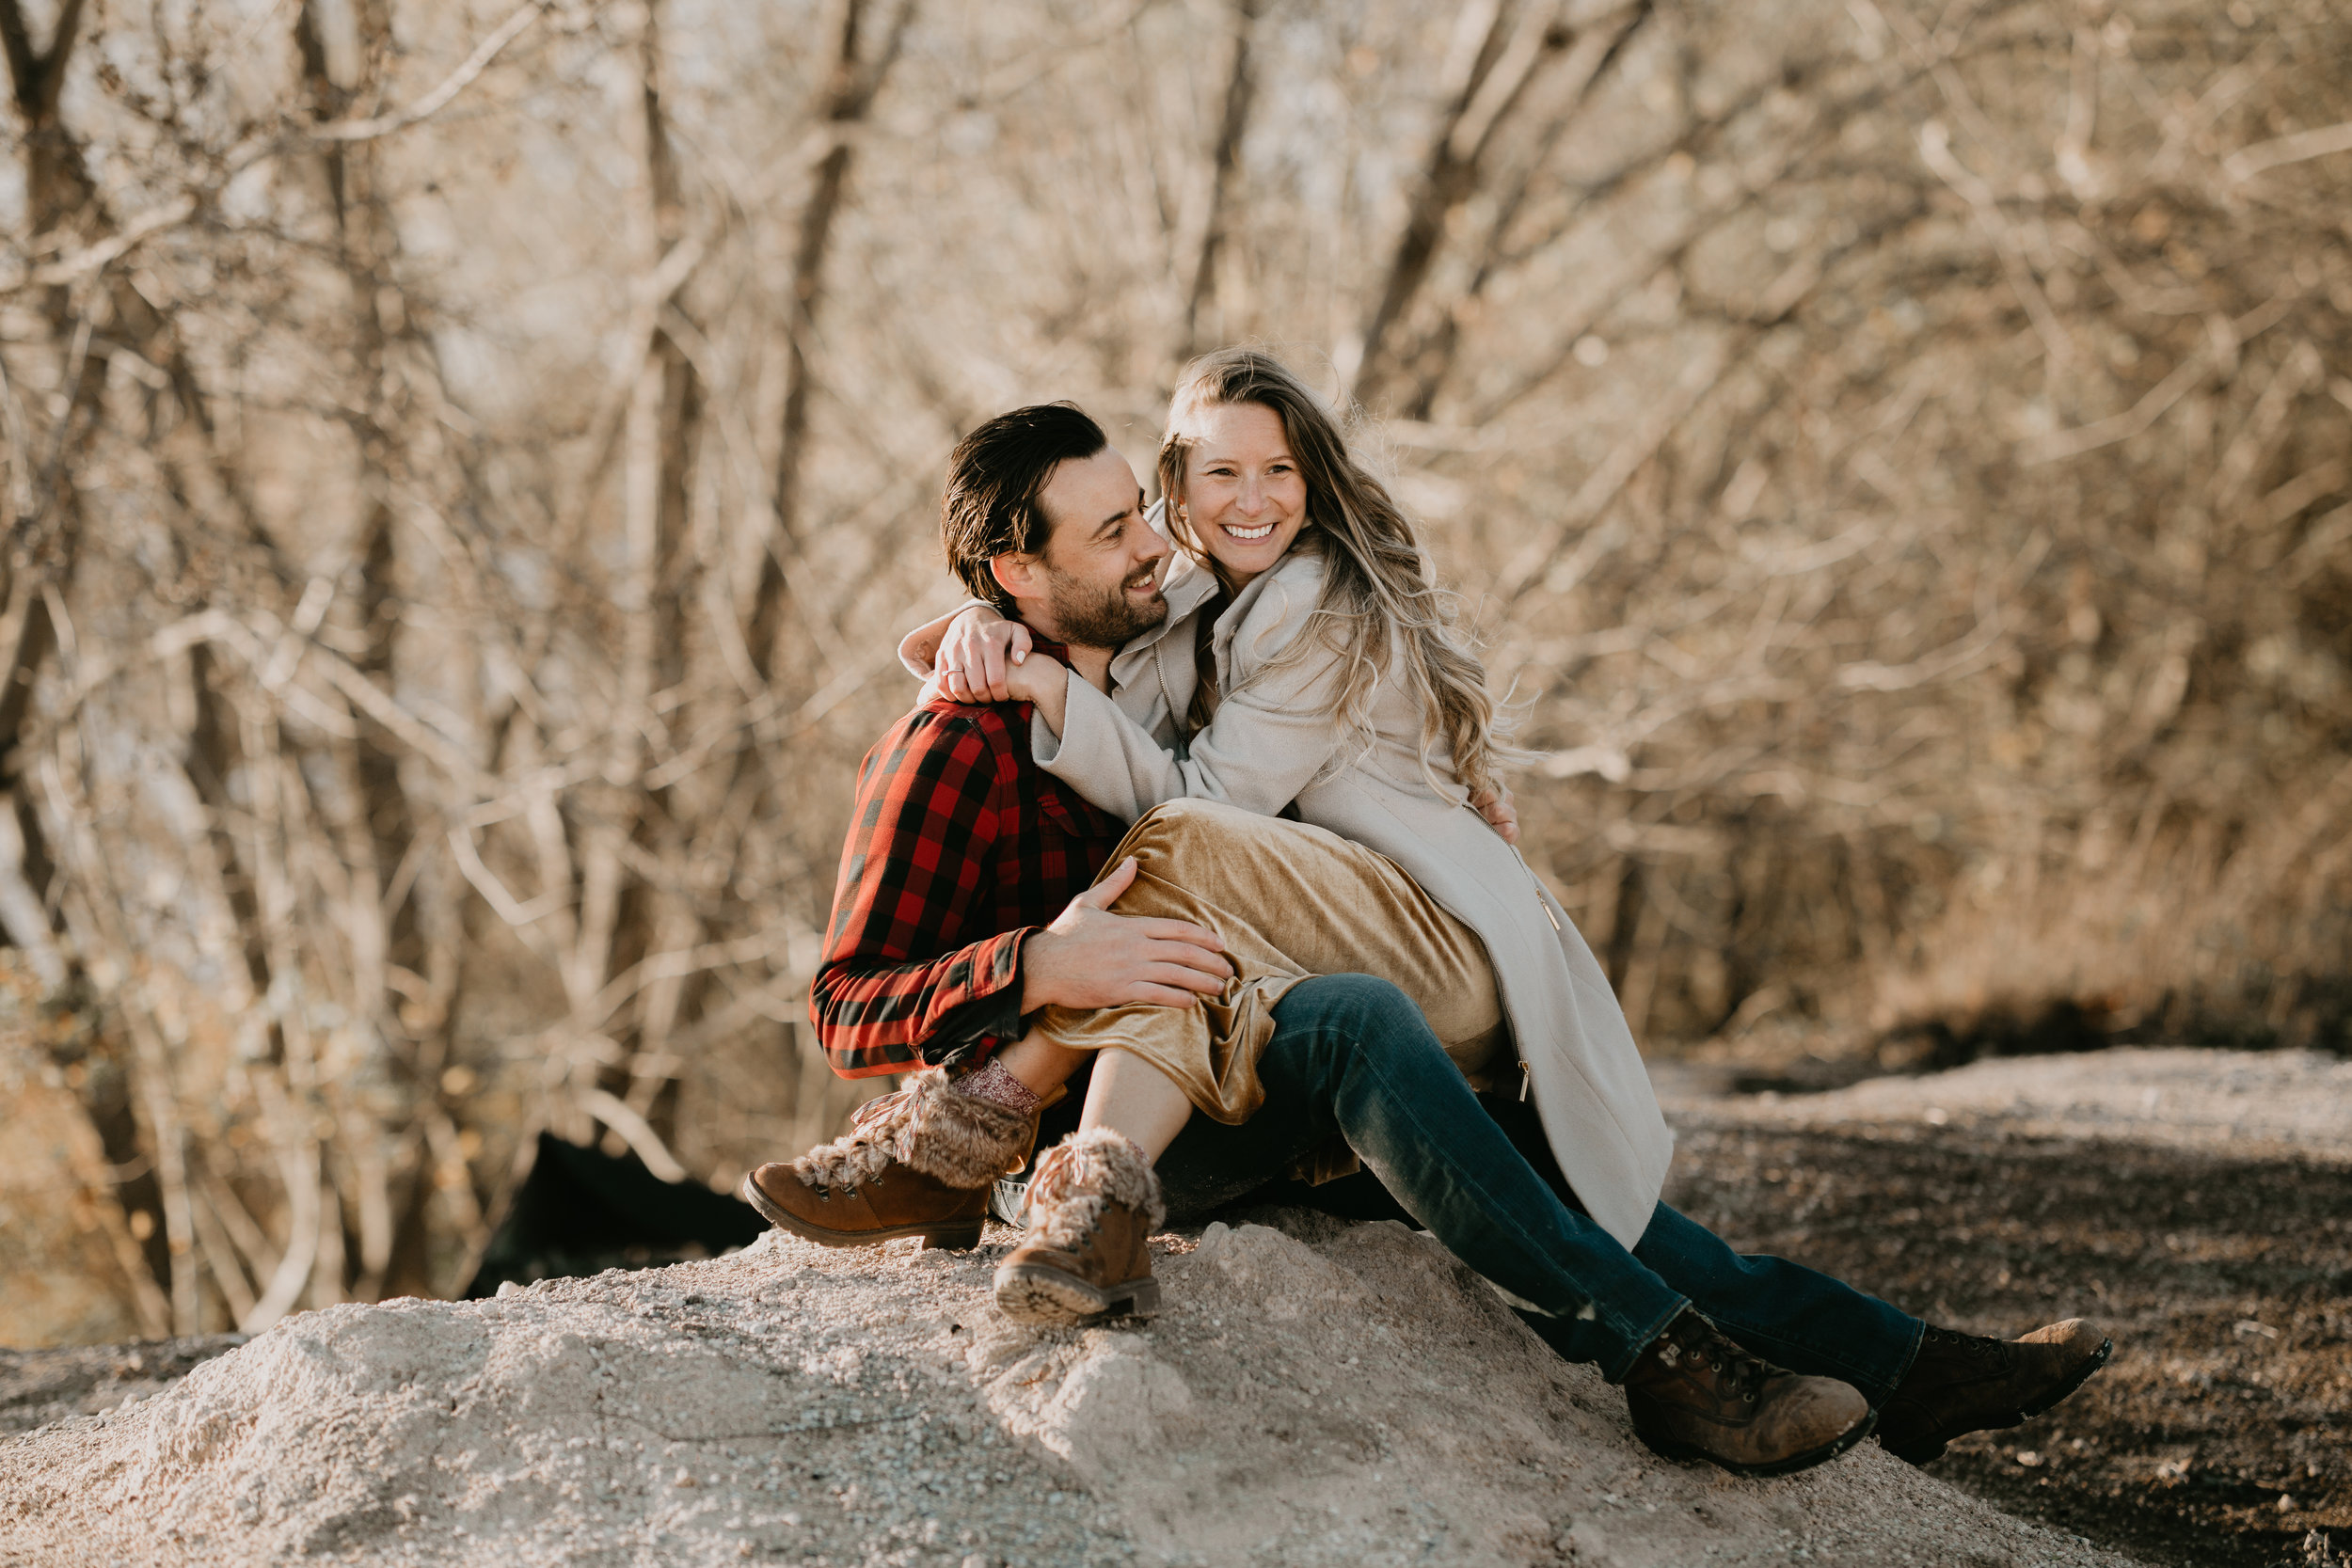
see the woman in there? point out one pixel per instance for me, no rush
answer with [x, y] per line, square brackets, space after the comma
[1316, 670]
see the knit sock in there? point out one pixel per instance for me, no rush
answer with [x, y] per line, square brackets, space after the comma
[998, 1087]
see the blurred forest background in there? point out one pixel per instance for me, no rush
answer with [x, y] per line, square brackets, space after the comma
[468, 464]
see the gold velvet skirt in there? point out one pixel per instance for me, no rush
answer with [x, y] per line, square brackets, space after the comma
[1291, 901]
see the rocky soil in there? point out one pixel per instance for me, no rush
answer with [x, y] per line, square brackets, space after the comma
[1318, 1393]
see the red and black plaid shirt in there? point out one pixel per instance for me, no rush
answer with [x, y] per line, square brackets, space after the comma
[961, 847]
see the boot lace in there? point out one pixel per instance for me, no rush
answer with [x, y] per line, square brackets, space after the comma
[1973, 1347]
[1736, 1371]
[863, 1153]
[879, 1107]
[1063, 1212]
[1743, 1375]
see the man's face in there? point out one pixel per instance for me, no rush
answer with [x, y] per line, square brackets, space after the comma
[1097, 581]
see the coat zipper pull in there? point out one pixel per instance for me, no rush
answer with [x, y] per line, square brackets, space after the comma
[1541, 902]
[1527, 1081]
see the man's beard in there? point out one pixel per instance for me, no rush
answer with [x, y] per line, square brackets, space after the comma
[1090, 619]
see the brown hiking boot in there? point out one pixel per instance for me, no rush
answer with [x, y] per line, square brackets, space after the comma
[1093, 1204]
[897, 1202]
[1695, 1395]
[917, 1162]
[1958, 1383]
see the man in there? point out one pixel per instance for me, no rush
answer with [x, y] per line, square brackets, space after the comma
[945, 934]
[967, 896]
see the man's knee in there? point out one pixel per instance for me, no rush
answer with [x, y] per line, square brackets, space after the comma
[1333, 1031]
[1368, 994]
[1361, 1012]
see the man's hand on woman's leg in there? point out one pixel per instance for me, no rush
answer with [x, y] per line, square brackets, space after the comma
[1090, 956]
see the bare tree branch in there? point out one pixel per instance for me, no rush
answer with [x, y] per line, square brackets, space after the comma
[517, 22]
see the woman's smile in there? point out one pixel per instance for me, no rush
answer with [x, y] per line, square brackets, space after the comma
[1245, 497]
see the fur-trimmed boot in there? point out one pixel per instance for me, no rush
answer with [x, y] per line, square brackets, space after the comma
[917, 1162]
[1093, 1204]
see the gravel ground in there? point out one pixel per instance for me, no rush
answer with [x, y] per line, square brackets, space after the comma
[2198, 1203]
[1317, 1394]
[42, 1386]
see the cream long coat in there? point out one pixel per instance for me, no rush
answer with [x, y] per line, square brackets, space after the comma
[1267, 746]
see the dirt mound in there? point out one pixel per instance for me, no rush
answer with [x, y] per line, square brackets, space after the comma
[1316, 1394]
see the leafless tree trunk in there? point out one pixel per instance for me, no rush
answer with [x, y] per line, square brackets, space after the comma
[1241, 88]
[857, 76]
[1500, 49]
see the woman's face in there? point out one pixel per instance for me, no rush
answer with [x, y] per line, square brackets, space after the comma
[1243, 494]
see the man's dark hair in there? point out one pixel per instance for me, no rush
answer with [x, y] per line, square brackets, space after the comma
[991, 505]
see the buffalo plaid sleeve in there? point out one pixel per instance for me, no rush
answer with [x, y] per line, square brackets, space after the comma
[898, 983]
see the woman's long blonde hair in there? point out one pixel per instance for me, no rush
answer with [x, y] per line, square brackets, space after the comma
[1377, 591]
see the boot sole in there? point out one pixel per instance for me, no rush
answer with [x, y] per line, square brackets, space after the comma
[1668, 1449]
[960, 1235]
[1032, 1293]
[1929, 1449]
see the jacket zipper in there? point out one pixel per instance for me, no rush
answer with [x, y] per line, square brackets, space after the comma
[1541, 902]
[1527, 1074]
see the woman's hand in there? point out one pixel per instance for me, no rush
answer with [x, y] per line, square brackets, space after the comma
[980, 650]
[1043, 684]
[1500, 814]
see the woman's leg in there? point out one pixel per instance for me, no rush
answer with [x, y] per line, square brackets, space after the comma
[1127, 1094]
[1039, 1063]
[1094, 1201]
[1289, 900]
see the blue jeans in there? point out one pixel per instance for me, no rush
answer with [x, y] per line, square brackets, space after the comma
[1352, 1056]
